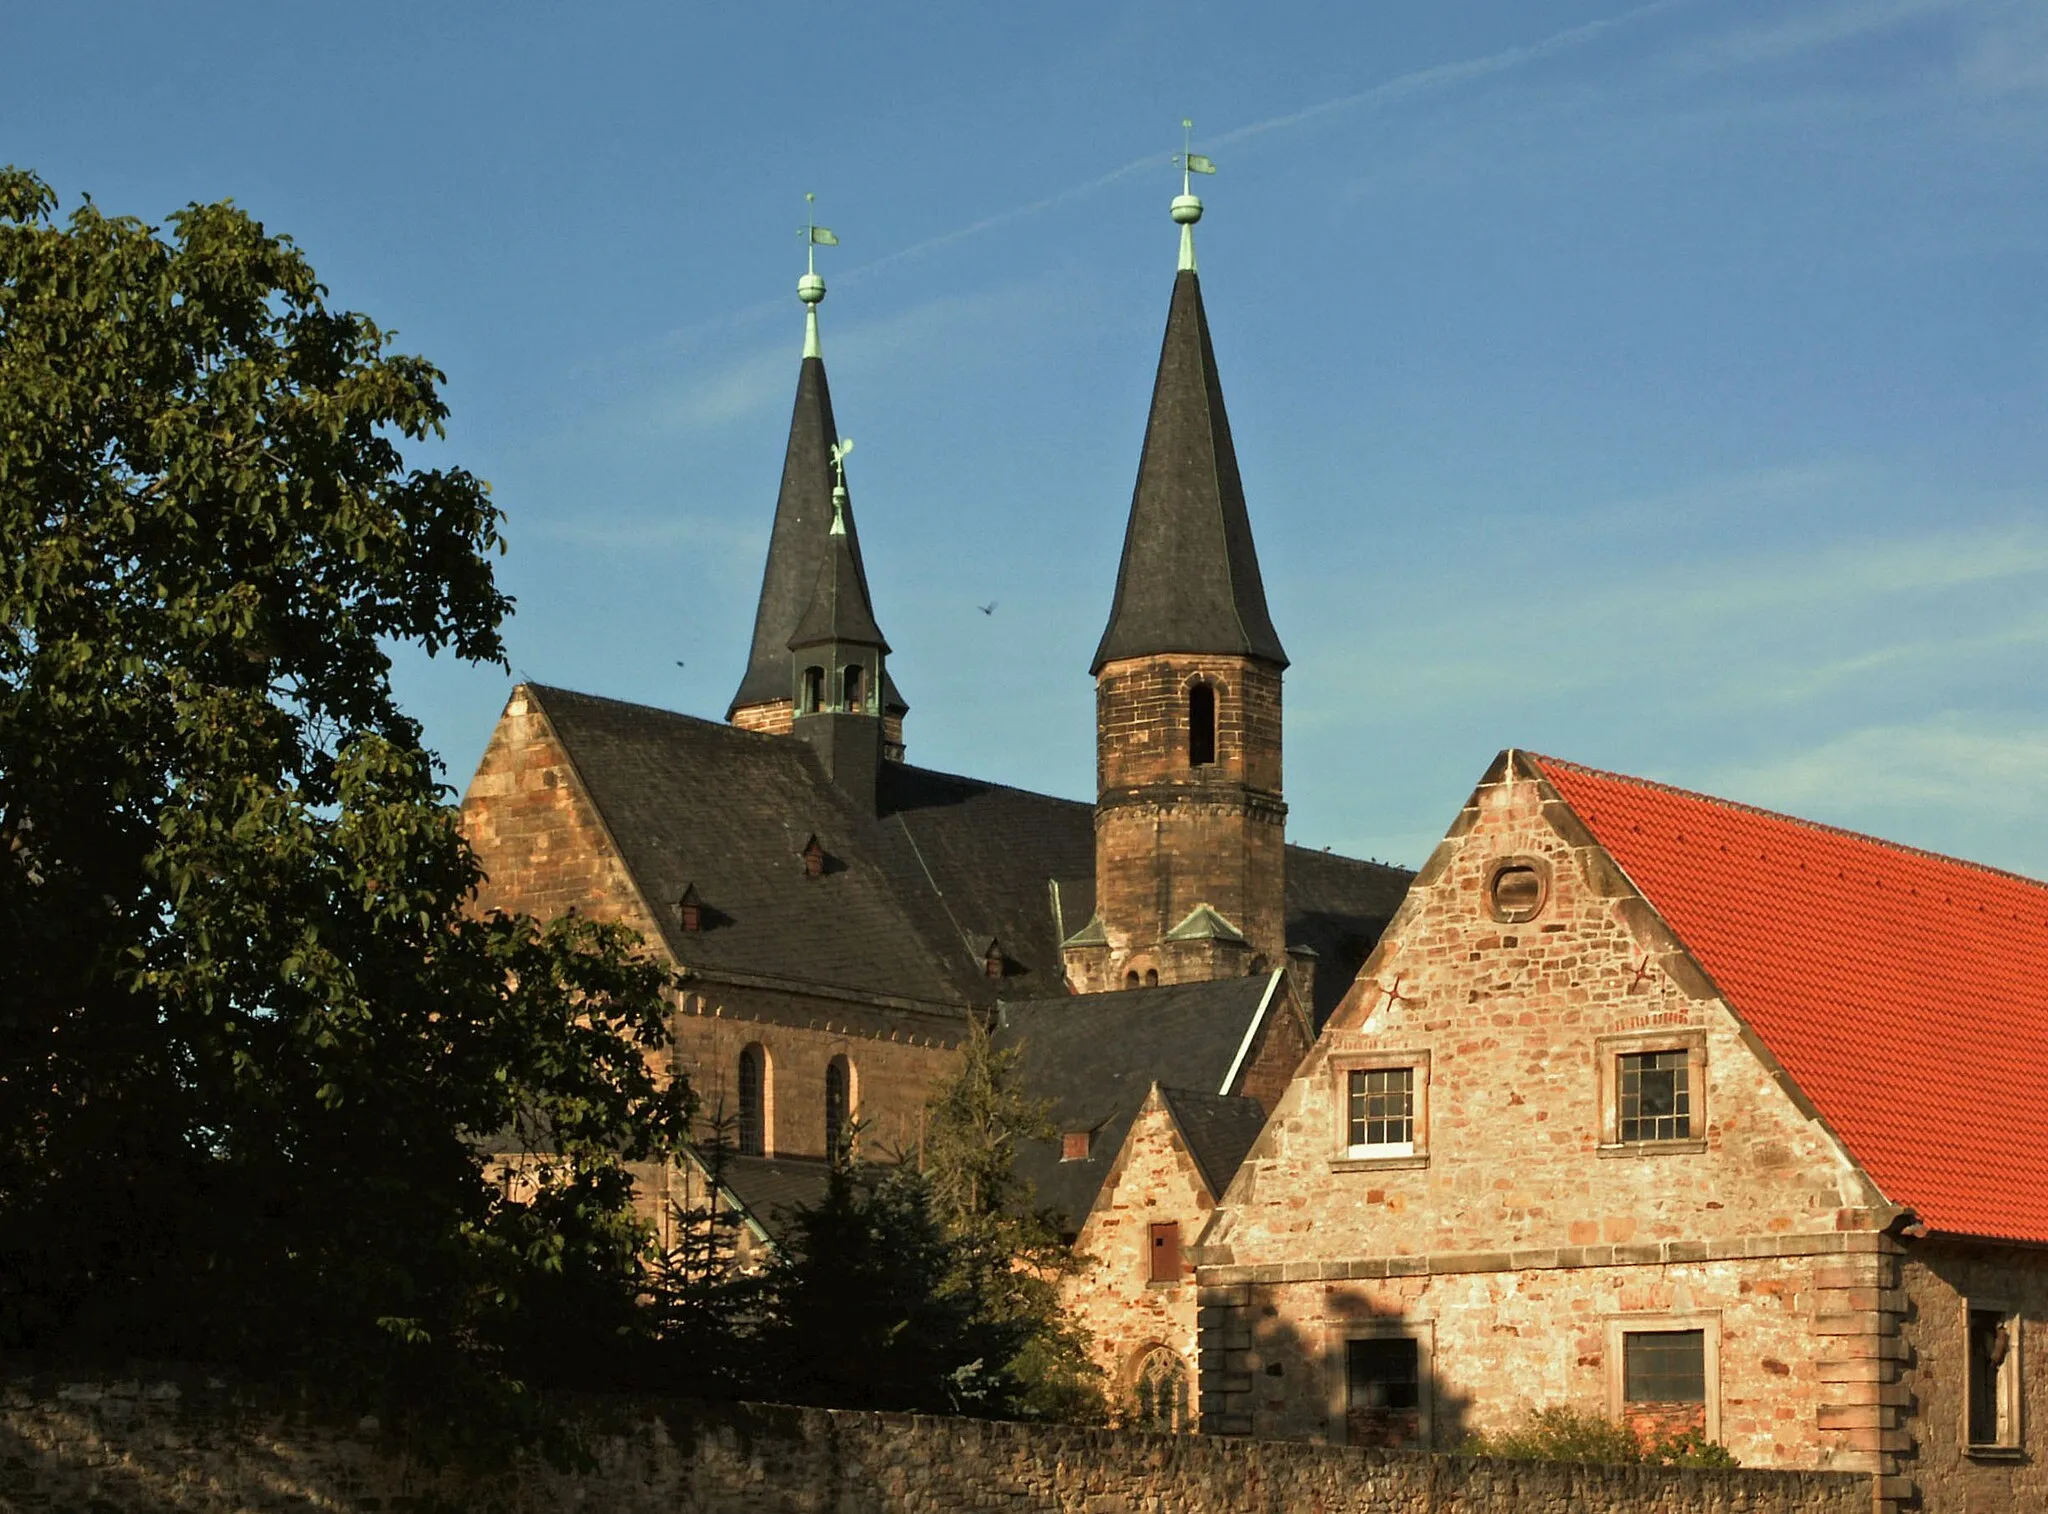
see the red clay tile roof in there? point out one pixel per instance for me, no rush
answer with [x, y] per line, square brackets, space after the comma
[1906, 993]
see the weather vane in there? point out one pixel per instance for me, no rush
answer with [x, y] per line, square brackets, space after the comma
[840, 449]
[1187, 209]
[810, 288]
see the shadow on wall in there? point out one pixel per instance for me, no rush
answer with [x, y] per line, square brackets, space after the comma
[1369, 1379]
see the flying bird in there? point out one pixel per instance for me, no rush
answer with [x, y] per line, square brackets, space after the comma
[987, 609]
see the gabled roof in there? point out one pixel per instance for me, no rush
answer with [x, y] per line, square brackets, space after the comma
[797, 543]
[769, 1190]
[1096, 1057]
[1905, 993]
[696, 803]
[1189, 579]
[1219, 1130]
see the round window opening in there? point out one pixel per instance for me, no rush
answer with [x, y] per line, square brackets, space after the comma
[1517, 890]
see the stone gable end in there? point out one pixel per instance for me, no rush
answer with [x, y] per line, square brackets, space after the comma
[543, 849]
[1511, 1023]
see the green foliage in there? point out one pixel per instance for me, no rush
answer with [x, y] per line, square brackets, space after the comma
[1562, 1433]
[867, 1305]
[250, 1039]
[1011, 1254]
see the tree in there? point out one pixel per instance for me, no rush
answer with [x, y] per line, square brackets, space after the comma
[250, 1034]
[1009, 1253]
[867, 1305]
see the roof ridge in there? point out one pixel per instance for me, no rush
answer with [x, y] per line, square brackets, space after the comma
[1739, 807]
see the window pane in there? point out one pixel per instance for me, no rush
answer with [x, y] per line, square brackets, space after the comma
[1655, 1090]
[1381, 1107]
[1664, 1366]
[1383, 1373]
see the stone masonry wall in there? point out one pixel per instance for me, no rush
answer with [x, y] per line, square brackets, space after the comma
[544, 852]
[1154, 1181]
[1169, 836]
[161, 1444]
[1521, 1233]
[1924, 1395]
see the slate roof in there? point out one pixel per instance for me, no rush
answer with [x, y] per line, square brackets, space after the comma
[1096, 1057]
[1219, 1130]
[1189, 578]
[1903, 991]
[839, 608]
[770, 1188]
[696, 802]
[911, 894]
[797, 543]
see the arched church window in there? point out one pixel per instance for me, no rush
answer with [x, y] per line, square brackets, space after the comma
[838, 1107]
[1151, 977]
[1160, 1388]
[814, 690]
[753, 1132]
[1131, 978]
[1201, 725]
[853, 686]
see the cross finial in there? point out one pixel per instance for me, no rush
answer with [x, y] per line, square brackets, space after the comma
[1187, 209]
[810, 288]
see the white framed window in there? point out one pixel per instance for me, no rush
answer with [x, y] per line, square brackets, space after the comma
[1382, 1101]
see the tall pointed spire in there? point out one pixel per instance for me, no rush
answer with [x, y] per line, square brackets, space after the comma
[799, 540]
[1189, 579]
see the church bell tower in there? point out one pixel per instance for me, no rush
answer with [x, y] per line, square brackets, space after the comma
[1190, 826]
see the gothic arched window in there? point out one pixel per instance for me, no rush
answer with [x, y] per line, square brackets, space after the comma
[753, 1134]
[838, 1107]
[1160, 1388]
[1201, 725]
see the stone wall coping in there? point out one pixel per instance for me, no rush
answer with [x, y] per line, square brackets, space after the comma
[1541, 1259]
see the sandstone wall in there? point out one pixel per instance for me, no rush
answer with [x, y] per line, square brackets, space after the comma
[1924, 1408]
[1521, 1233]
[125, 1448]
[545, 852]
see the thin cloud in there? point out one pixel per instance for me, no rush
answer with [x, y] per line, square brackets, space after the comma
[1810, 31]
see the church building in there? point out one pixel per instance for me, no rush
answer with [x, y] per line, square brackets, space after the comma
[837, 915]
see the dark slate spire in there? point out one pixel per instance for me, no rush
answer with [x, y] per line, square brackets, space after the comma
[1189, 579]
[839, 610]
[803, 517]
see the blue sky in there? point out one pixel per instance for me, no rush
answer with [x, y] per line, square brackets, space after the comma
[1660, 387]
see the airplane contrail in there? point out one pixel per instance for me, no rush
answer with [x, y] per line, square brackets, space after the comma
[1420, 81]
[1417, 82]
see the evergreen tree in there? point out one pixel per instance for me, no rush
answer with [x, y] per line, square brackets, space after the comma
[1009, 1253]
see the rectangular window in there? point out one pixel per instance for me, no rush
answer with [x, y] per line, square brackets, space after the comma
[1384, 1373]
[1380, 1115]
[1166, 1253]
[1993, 1373]
[1655, 1096]
[1664, 1367]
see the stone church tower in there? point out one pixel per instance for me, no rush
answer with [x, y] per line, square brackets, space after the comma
[1190, 827]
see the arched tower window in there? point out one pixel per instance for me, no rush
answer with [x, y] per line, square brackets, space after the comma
[853, 687]
[753, 1133]
[1131, 979]
[1201, 725]
[1160, 1386]
[838, 1107]
[814, 690]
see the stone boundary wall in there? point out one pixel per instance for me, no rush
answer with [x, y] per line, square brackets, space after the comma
[187, 1443]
